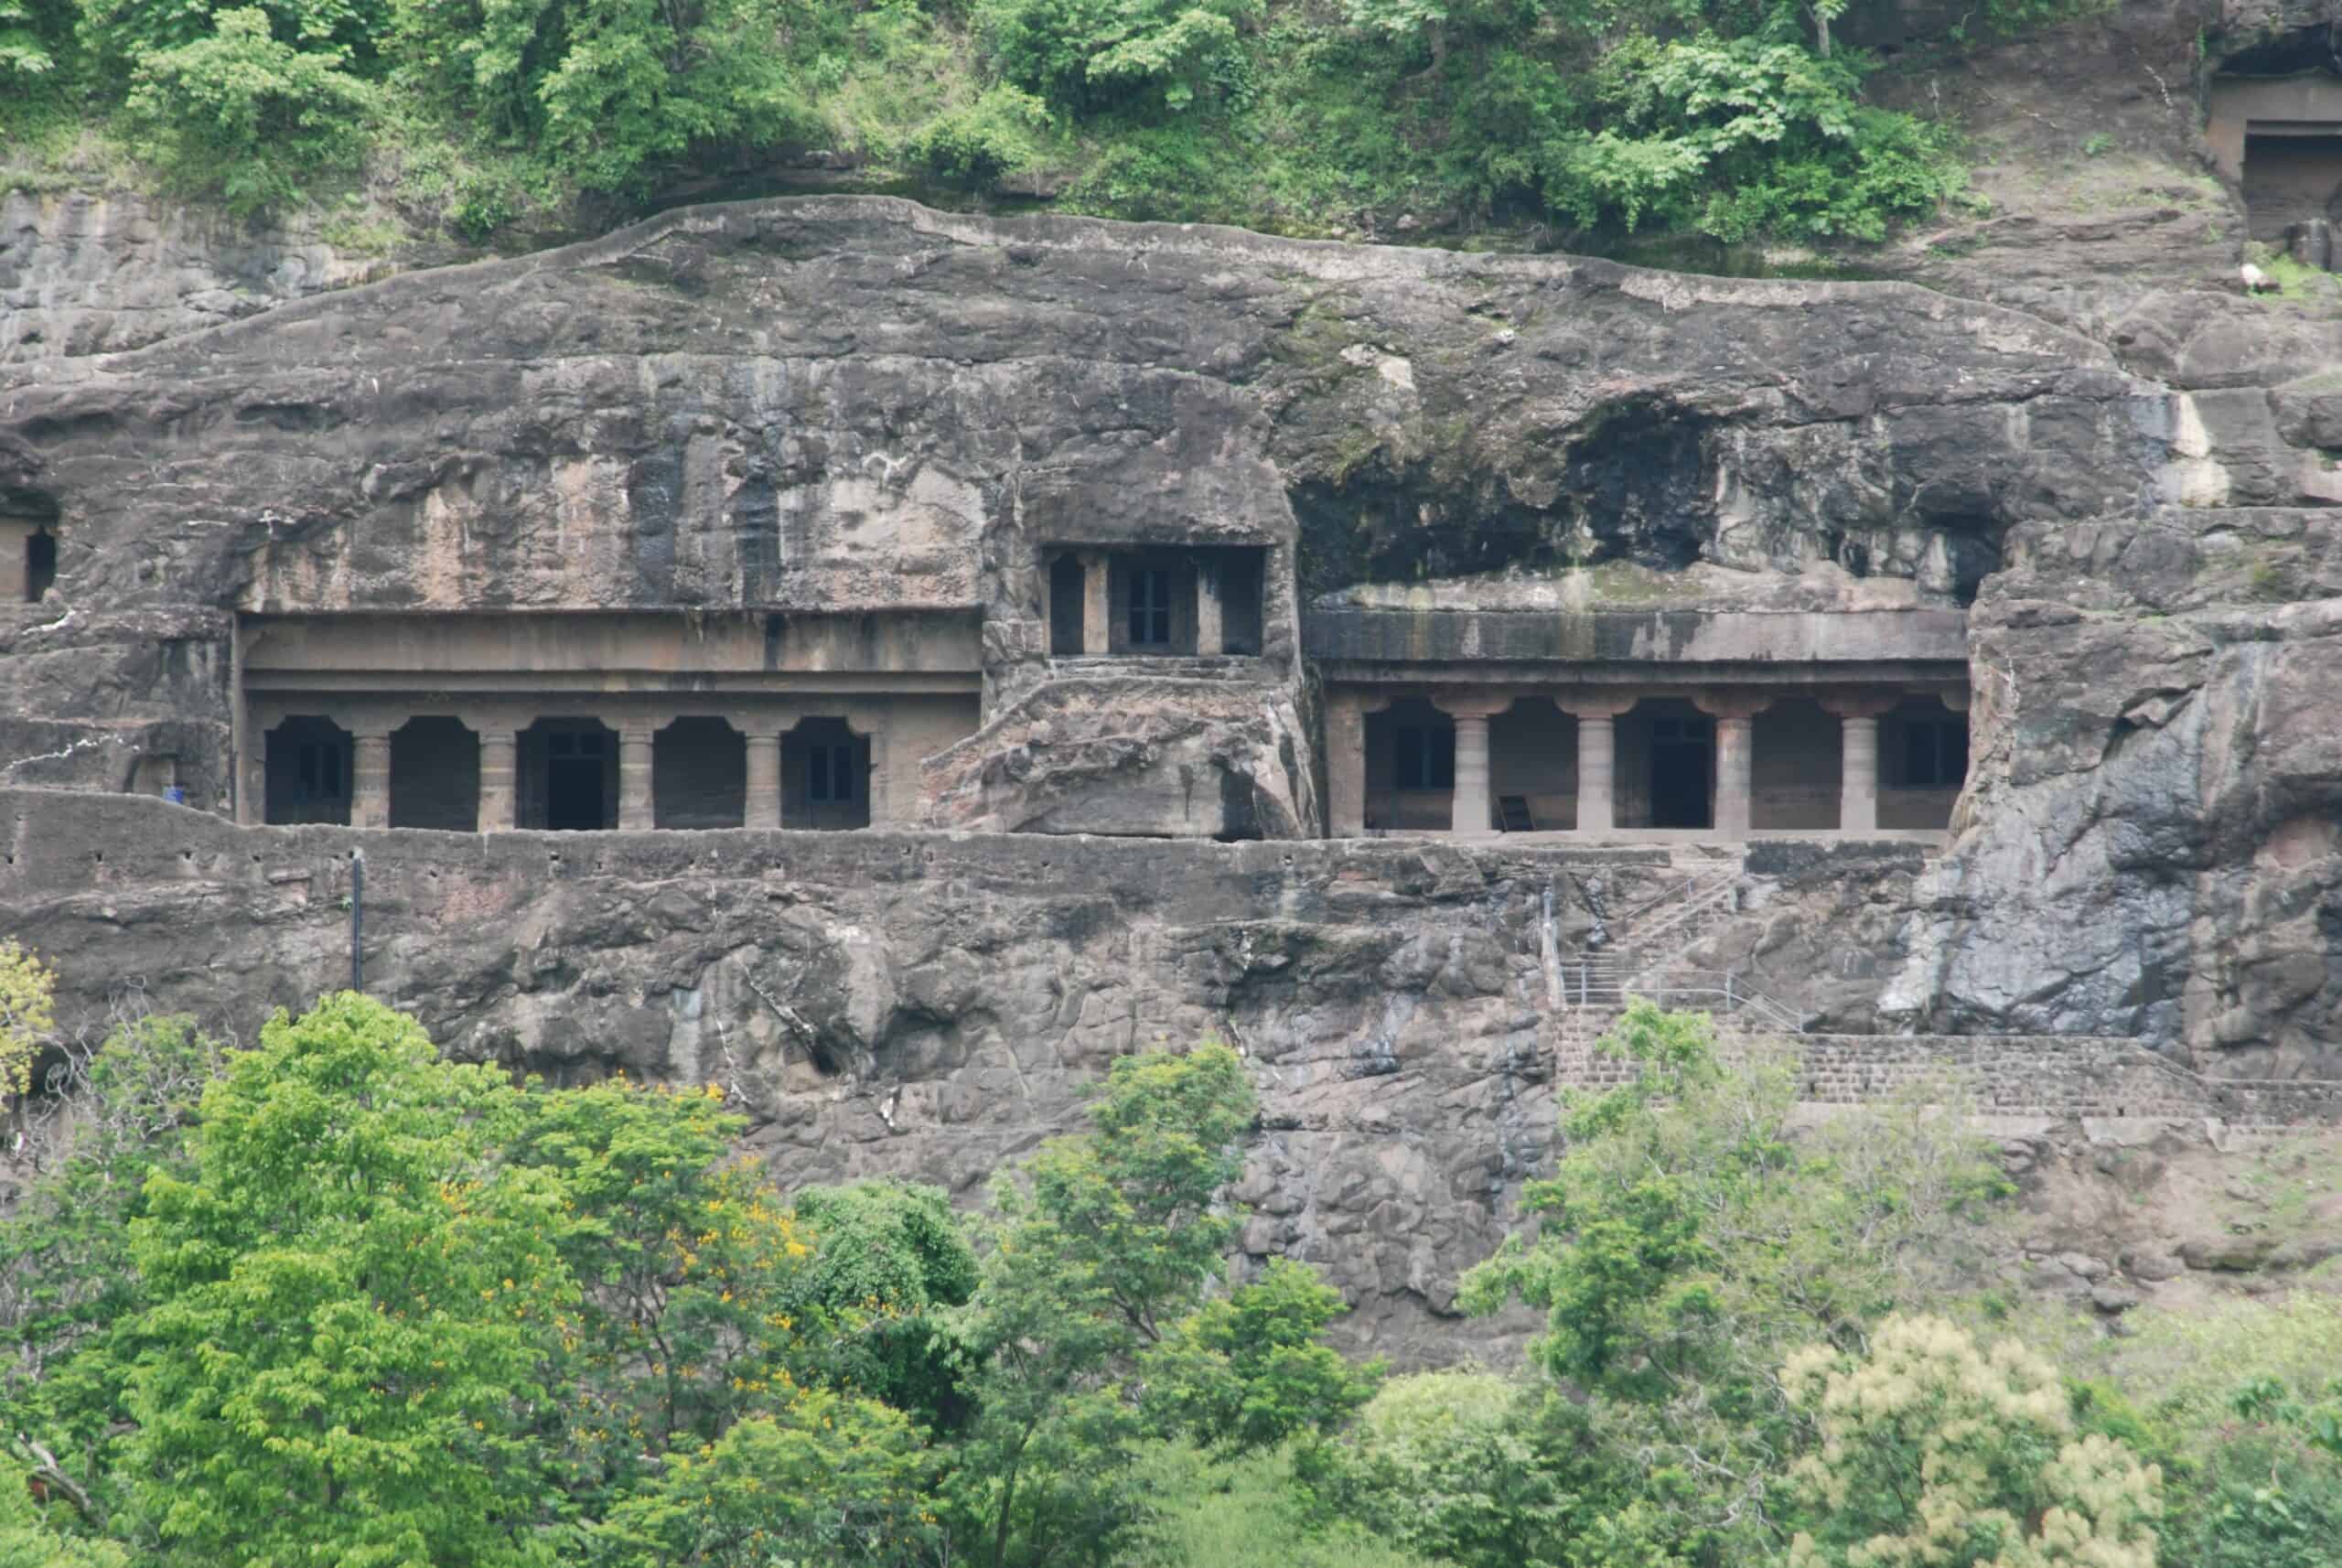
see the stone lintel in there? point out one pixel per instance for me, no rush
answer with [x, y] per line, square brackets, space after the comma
[1638, 638]
[523, 649]
[1559, 680]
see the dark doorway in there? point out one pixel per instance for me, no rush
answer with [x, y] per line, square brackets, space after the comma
[568, 776]
[307, 773]
[1682, 767]
[1410, 769]
[434, 775]
[1241, 581]
[699, 775]
[1066, 594]
[2289, 178]
[1922, 764]
[40, 565]
[825, 776]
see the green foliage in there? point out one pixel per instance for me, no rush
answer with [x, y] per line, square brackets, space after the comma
[1213, 1512]
[32, 1534]
[1465, 1468]
[602, 88]
[66, 1274]
[828, 1481]
[974, 147]
[241, 116]
[682, 1267]
[1093, 56]
[27, 992]
[1111, 1238]
[1930, 1450]
[1691, 1239]
[344, 1310]
[892, 1260]
[34, 35]
[1247, 1373]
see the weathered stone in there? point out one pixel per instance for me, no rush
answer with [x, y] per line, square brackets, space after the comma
[2227, 1254]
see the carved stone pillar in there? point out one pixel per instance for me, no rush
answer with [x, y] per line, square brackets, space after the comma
[1597, 758]
[1209, 639]
[873, 723]
[1858, 715]
[1736, 715]
[637, 811]
[761, 808]
[1097, 604]
[499, 772]
[1346, 764]
[369, 775]
[1469, 815]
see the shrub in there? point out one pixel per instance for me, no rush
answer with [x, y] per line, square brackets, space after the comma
[245, 118]
[997, 134]
[1095, 56]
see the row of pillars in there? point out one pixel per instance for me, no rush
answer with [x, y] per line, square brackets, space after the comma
[1098, 606]
[1597, 757]
[370, 774]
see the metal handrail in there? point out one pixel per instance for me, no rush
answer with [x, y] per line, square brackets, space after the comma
[1585, 994]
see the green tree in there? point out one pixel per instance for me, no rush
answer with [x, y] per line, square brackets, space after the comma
[1247, 1371]
[1468, 1468]
[30, 1532]
[67, 1279]
[604, 89]
[890, 1260]
[1930, 1450]
[1108, 1240]
[1093, 56]
[828, 1480]
[342, 1346]
[240, 115]
[1690, 1239]
[685, 1265]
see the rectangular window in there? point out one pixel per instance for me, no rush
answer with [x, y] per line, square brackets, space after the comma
[1150, 606]
[1935, 754]
[828, 773]
[1425, 758]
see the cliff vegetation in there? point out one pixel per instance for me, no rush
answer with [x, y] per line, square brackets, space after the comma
[1732, 119]
[338, 1300]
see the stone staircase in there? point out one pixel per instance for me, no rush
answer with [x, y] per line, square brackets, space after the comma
[1647, 956]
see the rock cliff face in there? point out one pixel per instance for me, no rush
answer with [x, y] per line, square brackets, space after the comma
[847, 404]
[2077, 427]
[934, 1005]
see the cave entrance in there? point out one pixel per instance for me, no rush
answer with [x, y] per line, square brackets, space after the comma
[2275, 130]
[1411, 769]
[306, 773]
[1532, 767]
[40, 565]
[1668, 748]
[1922, 762]
[699, 775]
[825, 776]
[569, 776]
[434, 775]
[1796, 763]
